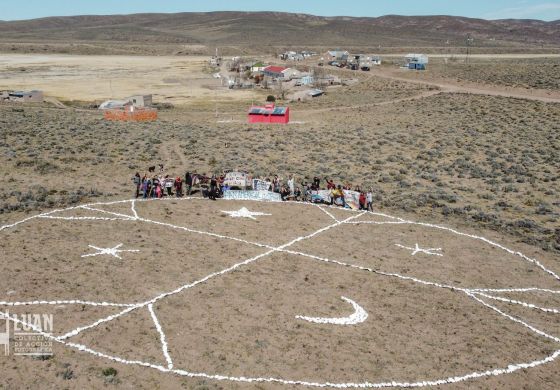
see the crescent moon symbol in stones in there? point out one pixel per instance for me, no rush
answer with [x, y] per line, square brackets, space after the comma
[359, 316]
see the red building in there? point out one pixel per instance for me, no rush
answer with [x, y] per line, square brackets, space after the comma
[269, 114]
[276, 72]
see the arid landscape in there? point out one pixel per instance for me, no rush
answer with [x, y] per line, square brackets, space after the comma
[471, 145]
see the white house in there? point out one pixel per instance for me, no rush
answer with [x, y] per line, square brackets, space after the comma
[291, 73]
[140, 100]
[337, 55]
[258, 67]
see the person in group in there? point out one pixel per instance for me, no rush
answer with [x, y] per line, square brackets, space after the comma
[297, 194]
[155, 185]
[291, 184]
[337, 196]
[159, 191]
[369, 200]
[316, 183]
[168, 185]
[362, 201]
[188, 183]
[145, 187]
[178, 187]
[150, 188]
[137, 183]
[213, 188]
[276, 184]
[330, 184]
[285, 193]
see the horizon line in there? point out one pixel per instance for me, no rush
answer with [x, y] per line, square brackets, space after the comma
[277, 12]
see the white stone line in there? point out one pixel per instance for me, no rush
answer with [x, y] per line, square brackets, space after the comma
[190, 285]
[11, 225]
[161, 337]
[83, 218]
[359, 316]
[510, 369]
[328, 213]
[378, 223]
[129, 217]
[519, 254]
[521, 303]
[376, 213]
[205, 233]
[97, 323]
[516, 253]
[66, 302]
[417, 249]
[133, 208]
[237, 265]
[514, 319]
[520, 290]
[394, 275]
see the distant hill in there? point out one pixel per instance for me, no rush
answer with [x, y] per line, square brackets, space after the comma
[254, 30]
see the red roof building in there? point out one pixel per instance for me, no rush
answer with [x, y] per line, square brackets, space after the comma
[274, 71]
[269, 114]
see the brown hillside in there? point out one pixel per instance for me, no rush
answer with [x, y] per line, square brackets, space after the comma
[266, 29]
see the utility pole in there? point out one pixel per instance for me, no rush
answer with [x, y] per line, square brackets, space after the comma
[469, 42]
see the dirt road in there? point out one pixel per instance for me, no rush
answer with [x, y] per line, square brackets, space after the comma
[472, 88]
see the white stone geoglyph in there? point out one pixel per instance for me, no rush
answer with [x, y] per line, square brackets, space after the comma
[359, 315]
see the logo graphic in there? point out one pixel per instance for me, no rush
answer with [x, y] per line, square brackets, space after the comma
[5, 337]
[27, 334]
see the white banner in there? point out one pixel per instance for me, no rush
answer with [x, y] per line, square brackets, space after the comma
[252, 195]
[237, 179]
[261, 185]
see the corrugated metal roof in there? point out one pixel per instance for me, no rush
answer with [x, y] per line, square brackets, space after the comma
[275, 69]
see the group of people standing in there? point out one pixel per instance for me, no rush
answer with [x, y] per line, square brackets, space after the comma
[166, 186]
[157, 186]
[213, 187]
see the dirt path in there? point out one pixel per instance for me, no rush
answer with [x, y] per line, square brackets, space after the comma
[358, 106]
[476, 90]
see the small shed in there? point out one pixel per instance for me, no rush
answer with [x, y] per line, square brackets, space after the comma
[140, 100]
[416, 61]
[306, 80]
[269, 114]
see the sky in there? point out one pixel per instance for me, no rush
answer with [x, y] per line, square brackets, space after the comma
[486, 9]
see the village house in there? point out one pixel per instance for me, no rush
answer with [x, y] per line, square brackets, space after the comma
[276, 72]
[291, 73]
[337, 55]
[416, 61]
[140, 100]
[258, 67]
[22, 96]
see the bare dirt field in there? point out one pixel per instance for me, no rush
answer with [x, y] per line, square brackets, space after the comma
[226, 304]
[96, 78]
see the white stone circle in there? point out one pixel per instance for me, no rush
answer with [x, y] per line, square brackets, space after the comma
[474, 293]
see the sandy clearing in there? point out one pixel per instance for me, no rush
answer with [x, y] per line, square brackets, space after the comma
[177, 80]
